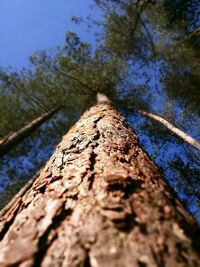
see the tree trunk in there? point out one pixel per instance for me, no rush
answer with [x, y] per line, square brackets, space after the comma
[185, 137]
[13, 139]
[100, 201]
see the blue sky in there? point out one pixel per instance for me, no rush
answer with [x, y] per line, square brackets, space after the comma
[30, 25]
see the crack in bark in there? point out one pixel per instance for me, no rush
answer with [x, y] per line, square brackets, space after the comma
[87, 262]
[93, 157]
[92, 167]
[44, 243]
[9, 222]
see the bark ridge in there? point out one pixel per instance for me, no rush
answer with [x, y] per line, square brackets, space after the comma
[99, 201]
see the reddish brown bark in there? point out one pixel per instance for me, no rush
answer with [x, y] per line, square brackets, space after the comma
[100, 201]
[14, 138]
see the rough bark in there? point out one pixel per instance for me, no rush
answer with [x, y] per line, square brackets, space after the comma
[14, 138]
[184, 136]
[18, 196]
[99, 201]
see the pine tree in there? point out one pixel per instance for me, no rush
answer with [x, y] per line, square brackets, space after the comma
[99, 201]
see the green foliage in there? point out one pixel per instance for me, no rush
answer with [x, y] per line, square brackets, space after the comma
[181, 13]
[146, 57]
[164, 38]
[125, 34]
[71, 78]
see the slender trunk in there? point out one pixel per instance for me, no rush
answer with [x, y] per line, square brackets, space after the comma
[186, 137]
[14, 138]
[99, 201]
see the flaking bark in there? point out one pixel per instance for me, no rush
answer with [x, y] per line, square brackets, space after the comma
[100, 201]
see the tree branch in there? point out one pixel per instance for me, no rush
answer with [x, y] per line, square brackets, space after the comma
[148, 34]
[190, 35]
[73, 78]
